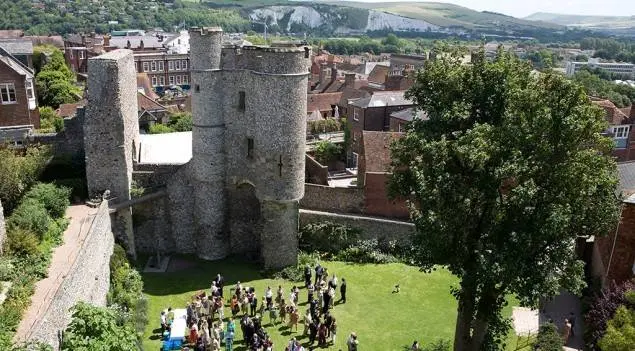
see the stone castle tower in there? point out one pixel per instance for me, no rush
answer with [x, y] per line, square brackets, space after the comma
[240, 191]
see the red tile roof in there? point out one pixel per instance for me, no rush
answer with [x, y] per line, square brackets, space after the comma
[322, 102]
[147, 104]
[376, 149]
[68, 110]
[613, 114]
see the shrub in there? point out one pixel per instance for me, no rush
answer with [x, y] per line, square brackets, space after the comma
[327, 237]
[18, 172]
[127, 287]
[620, 331]
[326, 151]
[141, 315]
[54, 198]
[160, 129]
[6, 268]
[366, 251]
[49, 120]
[181, 122]
[603, 309]
[439, 345]
[22, 242]
[30, 215]
[118, 258]
[296, 273]
[548, 338]
[136, 190]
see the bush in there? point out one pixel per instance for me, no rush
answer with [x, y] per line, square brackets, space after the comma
[603, 309]
[126, 287]
[6, 268]
[327, 151]
[620, 331]
[49, 120]
[118, 258]
[548, 338]
[181, 122]
[141, 315]
[160, 129]
[18, 172]
[55, 233]
[54, 198]
[296, 273]
[327, 237]
[22, 242]
[439, 345]
[30, 215]
[366, 251]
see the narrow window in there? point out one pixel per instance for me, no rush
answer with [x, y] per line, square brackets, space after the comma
[170, 65]
[154, 81]
[197, 88]
[185, 80]
[184, 64]
[29, 89]
[306, 52]
[250, 148]
[146, 67]
[161, 81]
[160, 65]
[241, 101]
[171, 79]
[153, 66]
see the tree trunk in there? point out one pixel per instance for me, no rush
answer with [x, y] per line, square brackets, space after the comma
[462, 334]
[480, 330]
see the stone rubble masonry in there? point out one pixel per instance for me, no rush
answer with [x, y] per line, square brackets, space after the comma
[3, 232]
[111, 134]
[332, 199]
[88, 280]
[111, 131]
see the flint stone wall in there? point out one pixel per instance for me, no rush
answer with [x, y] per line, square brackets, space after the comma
[325, 198]
[3, 233]
[88, 280]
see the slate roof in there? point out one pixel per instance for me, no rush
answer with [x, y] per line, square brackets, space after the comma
[17, 46]
[349, 93]
[408, 114]
[377, 150]
[149, 41]
[626, 172]
[381, 99]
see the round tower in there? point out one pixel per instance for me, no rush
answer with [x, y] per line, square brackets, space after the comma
[208, 140]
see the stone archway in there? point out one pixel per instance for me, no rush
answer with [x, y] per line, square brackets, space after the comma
[245, 219]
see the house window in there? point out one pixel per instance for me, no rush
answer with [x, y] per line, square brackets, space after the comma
[146, 67]
[7, 93]
[170, 65]
[184, 65]
[153, 66]
[177, 65]
[160, 66]
[241, 101]
[161, 80]
[171, 80]
[178, 80]
[81, 54]
[355, 114]
[154, 81]
[620, 135]
[250, 147]
[70, 53]
[29, 89]
[400, 129]
[185, 80]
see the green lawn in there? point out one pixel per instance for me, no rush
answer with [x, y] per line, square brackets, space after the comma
[424, 310]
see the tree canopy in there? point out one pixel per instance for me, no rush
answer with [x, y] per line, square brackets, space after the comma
[56, 82]
[509, 169]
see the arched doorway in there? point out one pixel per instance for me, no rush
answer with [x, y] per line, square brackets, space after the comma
[245, 219]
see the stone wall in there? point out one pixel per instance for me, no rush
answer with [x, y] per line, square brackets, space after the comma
[88, 280]
[372, 227]
[315, 172]
[325, 198]
[3, 232]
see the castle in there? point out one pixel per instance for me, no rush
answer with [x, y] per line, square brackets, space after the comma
[240, 191]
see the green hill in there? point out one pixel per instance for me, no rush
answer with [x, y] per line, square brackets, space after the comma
[608, 22]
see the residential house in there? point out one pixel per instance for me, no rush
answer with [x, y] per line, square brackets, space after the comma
[321, 106]
[399, 119]
[373, 173]
[373, 113]
[150, 112]
[378, 76]
[21, 49]
[620, 129]
[164, 70]
[18, 104]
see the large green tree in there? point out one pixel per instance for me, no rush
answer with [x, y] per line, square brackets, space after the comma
[509, 169]
[56, 82]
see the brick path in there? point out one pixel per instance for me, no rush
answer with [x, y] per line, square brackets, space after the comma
[64, 256]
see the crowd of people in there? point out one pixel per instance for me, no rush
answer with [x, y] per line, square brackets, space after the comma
[209, 329]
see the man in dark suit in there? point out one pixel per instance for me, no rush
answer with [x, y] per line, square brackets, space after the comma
[220, 281]
[343, 291]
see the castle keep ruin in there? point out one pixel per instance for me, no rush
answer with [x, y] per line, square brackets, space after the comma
[240, 191]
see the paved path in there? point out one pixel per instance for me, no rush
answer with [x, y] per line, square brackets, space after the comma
[64, 256]
[563, 306]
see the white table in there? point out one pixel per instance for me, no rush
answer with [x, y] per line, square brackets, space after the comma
[179, 325]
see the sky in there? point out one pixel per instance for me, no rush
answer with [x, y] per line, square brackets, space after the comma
[522, 8]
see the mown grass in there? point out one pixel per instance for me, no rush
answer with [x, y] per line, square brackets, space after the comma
[423, 310]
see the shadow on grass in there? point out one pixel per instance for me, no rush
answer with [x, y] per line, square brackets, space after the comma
[198, 275]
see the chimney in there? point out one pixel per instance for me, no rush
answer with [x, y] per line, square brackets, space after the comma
[106, 40]
[334, 72]
[349, 80]
[141, 46]
[322, 72]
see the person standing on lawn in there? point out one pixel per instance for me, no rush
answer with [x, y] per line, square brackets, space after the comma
[318, 274]
[309, 290]
[307, 275]
[352, 341]
[333, 331]
[269, 297]
[293, 319]
[343, 291]
[220, 282]
[229, 341]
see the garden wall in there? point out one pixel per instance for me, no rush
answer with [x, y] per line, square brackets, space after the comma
[325, 198]
[315, 172]
[372, 227]
[88, 280]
